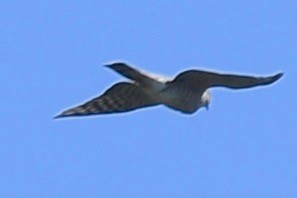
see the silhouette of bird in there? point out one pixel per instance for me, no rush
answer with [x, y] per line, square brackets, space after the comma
[186, 93]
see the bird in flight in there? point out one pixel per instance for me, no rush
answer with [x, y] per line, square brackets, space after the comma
[186, 93]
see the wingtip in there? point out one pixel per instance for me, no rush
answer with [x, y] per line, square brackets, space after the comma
[278, 76]
[61, 115]
[58, 116]
[106, 65]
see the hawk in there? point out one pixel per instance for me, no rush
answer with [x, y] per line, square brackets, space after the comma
[186, 93]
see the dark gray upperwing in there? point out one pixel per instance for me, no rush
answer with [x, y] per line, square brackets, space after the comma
[121, 97]
[204, 79]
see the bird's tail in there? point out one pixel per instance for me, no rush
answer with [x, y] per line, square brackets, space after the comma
[129, 72]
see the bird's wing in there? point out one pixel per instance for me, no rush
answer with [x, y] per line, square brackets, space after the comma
[121, 97]
[204, 79]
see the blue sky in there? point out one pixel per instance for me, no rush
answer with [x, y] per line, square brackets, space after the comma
[51, 56]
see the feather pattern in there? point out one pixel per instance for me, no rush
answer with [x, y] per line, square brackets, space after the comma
[187, 92]
[121, 97]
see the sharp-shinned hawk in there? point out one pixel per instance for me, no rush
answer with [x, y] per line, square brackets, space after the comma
[187, 92]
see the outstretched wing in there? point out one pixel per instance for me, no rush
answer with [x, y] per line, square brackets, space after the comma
[204, 79]
[121, 97]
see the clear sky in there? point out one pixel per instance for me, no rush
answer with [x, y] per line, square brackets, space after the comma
[51, 57]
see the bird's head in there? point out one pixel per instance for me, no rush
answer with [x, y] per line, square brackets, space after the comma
[205, 99]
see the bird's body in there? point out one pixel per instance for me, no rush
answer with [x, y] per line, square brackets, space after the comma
[187, 92]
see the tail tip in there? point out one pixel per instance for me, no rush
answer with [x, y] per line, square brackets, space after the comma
[114, 64]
